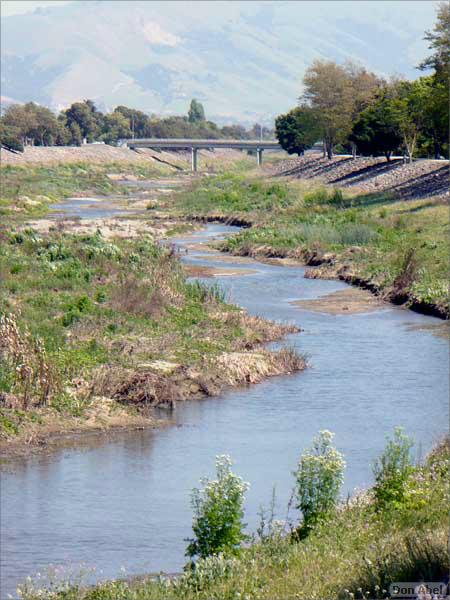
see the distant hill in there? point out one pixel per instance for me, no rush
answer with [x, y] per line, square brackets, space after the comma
[243, 60]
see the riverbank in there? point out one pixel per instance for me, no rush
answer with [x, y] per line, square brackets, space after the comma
[98, 330]
[359, 551]
[398, 249]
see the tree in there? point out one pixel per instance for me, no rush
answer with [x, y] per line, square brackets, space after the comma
[45, 128]
[365, 86]
[10, 137]
[377, 130]
[196, 112]
[86, 117]
[410, 100]
[115, 126]
[138, 122]
[234, 132]
[34, 123]
[439, 43]
[20, 118]
[328, 91]
[437, 108]
[75, 133]
[218, 513]
[434, 135]
[297, 130]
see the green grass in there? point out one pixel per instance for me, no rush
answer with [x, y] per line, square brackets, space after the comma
[96, 303]
[372, 234]
[26, 191]
[357, 553]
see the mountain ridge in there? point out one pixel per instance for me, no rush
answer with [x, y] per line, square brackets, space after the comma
[243, 60]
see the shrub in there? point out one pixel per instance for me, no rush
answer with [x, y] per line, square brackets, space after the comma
[319, 477]
[218, 513]
[392, 471]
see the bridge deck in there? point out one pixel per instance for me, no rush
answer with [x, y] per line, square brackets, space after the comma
[199, 144]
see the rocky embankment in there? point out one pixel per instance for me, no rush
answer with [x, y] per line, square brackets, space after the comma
[419, 179]
[103, 153]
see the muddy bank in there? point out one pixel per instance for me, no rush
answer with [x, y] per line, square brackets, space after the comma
[204, 271]
[125, 399]
[345, 302]
[396, 294]
[331, 266]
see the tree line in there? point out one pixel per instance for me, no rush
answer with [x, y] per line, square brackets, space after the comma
[32, 124]
[350, 109]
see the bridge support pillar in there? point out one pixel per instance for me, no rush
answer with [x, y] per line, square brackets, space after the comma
[194, 159]
[259, 154]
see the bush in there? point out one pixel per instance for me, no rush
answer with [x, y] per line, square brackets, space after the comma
[392, 471]
[319, 477]
[218, 513]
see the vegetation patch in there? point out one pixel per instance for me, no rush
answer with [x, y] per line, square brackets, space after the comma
[396, 531]
[398, 249]
[26, 191]
[85, 319]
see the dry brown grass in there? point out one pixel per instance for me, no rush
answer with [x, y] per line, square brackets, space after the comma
[239, 368]
[24, 361]
[138, 297]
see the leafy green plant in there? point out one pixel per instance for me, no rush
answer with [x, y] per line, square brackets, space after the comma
[319, 476]
[218, 513]
[392, 471]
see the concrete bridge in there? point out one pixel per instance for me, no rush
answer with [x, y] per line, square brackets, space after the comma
[194, 146]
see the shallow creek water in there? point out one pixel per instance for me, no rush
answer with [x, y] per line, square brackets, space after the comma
[121, 504]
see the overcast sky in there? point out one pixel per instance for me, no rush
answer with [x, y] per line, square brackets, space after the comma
[17, 7]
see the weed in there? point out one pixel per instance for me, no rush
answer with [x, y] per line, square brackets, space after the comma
[218, 513]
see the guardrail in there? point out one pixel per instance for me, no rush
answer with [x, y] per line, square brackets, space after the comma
[202, 144]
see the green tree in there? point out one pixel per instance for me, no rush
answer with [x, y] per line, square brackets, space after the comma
[439, 43]
[437, 107]
[196, 112]
[139, 123]
[115, 126]
[21, 119]
[34, 123]
[328, 91]
[377, 130]
[234, 132]
[411, 101]
[297, 130]
[86, 117]
[63, 135]
[10, 137]
[75, 134]
[45, 129]
[218, 513]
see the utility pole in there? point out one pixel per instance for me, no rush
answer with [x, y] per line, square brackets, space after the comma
[132, 126]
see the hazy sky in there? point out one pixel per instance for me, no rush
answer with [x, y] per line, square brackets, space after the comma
[17, 7]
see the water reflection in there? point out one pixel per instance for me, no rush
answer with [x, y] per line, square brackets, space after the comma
[125, 501]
